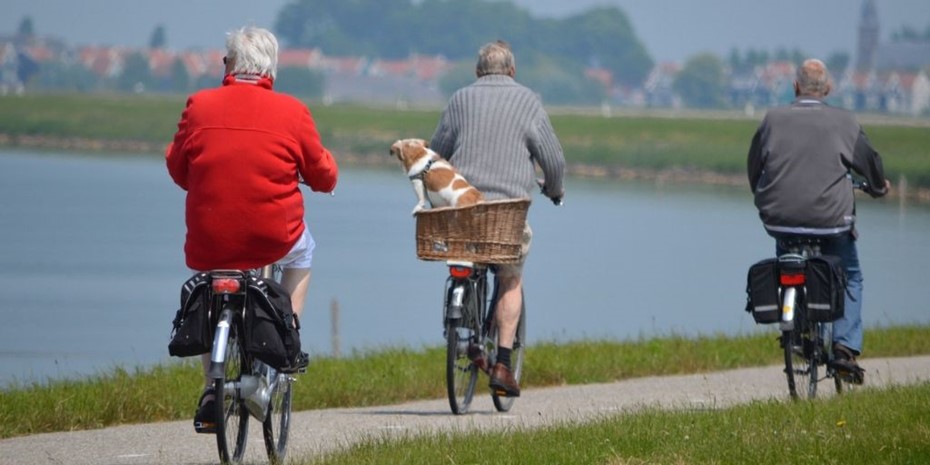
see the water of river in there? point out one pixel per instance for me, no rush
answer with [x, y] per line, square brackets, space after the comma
[92, 262]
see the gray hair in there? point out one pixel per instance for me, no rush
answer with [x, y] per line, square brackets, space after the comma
[253, 50]
[813, 79]
[495, 58]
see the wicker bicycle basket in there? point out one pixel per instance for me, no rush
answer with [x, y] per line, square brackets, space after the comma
[487, 232]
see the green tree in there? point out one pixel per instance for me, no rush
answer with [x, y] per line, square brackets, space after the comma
[837, 62]
[559, 83]
[136, 75]
[158, 39]
[55, 75]
[180, 79]
[460, 75]
[300, 82]
[702, 82]
[457, 28]
[601, 37]
[911, 34]
[26, 30]
[343, 27]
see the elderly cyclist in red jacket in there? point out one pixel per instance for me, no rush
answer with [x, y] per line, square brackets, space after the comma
[240, 151]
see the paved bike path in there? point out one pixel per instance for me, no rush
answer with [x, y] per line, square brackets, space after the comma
[319, 431]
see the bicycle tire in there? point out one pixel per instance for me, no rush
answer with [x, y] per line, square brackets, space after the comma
[232, 416]
[461, 372]
[800, 362]
[502, 403]
[277, 424]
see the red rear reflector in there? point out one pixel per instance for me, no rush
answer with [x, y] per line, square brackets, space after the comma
[792, 279]
[226, 285]
[460, 272]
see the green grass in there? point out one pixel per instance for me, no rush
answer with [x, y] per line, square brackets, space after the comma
[395, 375]
[866, 426]
[643, 141]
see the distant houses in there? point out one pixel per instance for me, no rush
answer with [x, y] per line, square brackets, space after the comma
[897, 83]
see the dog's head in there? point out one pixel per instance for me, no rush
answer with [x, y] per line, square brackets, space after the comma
[408, 151]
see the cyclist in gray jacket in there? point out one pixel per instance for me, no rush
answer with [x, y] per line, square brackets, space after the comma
[798, 165]
[496, 131]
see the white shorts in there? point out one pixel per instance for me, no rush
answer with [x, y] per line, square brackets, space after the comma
[301, 255]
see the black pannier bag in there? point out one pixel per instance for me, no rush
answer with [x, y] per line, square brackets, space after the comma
[826, 288]
[271, 327]
[762, 299]
[192, 333]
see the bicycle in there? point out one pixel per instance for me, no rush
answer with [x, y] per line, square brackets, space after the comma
[807, 343]
[470, 240]
[471, 335]
[243, 385]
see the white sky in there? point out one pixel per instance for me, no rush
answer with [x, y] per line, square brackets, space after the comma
[672, 30]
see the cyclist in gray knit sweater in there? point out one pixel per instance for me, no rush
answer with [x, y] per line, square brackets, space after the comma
[496, 131]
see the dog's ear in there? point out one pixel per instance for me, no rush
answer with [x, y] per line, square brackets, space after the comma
[426, 143]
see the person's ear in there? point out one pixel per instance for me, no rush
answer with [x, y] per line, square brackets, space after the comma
[828, 89]
[797, 89]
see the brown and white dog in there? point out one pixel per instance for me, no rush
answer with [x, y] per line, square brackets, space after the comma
[433, 177]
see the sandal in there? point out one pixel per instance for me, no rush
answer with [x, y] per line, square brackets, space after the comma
[204, 419]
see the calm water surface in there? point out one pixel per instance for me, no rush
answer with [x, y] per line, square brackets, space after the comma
[91, 249]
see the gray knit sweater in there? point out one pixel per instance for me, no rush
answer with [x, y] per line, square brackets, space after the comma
[495, 131]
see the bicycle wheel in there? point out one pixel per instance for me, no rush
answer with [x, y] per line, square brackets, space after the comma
[461, 373]
[800, 361]
[501, 403]
[277, 424]
[232, 417]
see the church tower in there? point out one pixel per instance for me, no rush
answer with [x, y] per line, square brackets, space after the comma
[868, 37]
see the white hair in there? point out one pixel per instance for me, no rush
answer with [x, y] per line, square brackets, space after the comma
[813, 79]
[254, 50]
[495, 58]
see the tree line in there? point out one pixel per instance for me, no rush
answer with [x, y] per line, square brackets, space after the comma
[550, 52]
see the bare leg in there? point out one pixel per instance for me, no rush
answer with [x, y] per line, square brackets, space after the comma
[509, 305]
[297, 281]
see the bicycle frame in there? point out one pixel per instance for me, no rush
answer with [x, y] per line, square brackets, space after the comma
[229, 301]
[466, 280]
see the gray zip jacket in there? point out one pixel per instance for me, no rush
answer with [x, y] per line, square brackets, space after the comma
[798, 164]
[494, 131]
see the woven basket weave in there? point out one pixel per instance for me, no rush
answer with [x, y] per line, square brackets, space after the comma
[487, 232]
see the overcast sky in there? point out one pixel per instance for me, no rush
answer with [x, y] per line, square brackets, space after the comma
[671, 30]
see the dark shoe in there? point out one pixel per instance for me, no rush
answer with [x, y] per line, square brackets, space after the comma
[476, 355]
[300, 365]
[503, 382]
[205, 418]
[844, 361]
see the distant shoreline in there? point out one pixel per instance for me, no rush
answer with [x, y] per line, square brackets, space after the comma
[582, 170]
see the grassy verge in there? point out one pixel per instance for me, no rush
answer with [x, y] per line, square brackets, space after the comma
[862, 427]
[389, 376]
[641, 141]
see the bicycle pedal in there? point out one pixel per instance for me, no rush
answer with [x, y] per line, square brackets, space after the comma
[205, 428]
[504, 393]
[852, 377]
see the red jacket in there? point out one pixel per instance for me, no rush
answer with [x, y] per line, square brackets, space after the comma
[238, 151]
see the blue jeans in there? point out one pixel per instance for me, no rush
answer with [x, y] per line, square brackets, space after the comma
[846, 330]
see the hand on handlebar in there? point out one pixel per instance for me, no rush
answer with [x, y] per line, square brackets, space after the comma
[556, 199]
